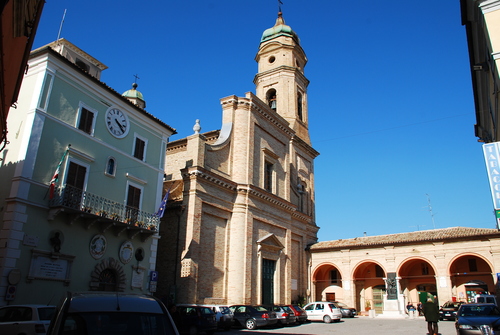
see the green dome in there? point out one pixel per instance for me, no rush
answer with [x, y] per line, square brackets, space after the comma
[280, 28]
[133, 93]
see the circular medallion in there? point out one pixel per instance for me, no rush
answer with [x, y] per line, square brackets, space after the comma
[98, 246]
[126, 252]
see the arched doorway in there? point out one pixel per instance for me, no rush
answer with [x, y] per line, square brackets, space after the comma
[327, 281]
[369, 286]
[108, 275]
[417, 280]
[470, 275]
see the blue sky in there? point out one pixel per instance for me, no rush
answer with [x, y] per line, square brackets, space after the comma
[391, 109]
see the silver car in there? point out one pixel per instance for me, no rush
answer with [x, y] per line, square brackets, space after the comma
[323, 311]
[25, 319]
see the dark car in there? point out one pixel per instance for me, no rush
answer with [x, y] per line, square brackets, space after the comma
[97, 313]
[300, 314]
[347, 312]
[476, 319]
[194, 319]
[252, 317]
[284, 314]
[25, 319]
[449, 310]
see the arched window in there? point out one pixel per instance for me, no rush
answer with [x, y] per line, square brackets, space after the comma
[111, 166]
[271, 98]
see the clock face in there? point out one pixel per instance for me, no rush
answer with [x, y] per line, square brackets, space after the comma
[117, 123]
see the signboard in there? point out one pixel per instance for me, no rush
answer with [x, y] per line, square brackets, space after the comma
[492, 159]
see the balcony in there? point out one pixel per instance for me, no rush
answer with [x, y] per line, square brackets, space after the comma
[90, 209]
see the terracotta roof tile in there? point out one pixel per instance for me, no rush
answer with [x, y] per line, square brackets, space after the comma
[453, 233]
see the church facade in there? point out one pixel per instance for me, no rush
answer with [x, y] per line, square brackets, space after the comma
[240, 213]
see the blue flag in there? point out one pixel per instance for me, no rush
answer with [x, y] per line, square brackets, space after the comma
[161, 210]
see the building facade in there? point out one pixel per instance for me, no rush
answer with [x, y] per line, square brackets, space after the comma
[81, 180]
[386, 272]
[241, 200]
[481, 19]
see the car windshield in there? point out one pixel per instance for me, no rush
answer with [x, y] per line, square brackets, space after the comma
[341, 304]
[452, 305]
[475, 310]
[114, 323]
[261, 308]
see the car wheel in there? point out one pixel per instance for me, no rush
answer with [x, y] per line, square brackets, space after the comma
[193, 330]
[327, 319]
[250, 324]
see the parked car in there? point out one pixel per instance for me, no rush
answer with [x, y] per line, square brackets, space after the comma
[449, 310]
[252, 317]
[96, 313]
[25, 319]
[223, 315]
[347, 312]
[473, 319]
[195, 319]
[486, 299]
[323, 311]
[284, 314]
[300, 314]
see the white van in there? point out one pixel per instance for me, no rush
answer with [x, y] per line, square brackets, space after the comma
[486, 299]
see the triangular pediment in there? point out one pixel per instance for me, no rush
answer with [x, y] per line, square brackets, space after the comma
[270, 241]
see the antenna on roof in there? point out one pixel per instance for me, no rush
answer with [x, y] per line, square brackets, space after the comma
[61, 26]
[430, 210]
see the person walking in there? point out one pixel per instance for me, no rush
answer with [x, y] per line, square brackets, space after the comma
[431, 313]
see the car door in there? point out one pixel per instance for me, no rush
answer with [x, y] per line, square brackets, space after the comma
[241, 314]
[314, 311]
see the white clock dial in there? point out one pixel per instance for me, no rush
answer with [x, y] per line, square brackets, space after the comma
[117, 123]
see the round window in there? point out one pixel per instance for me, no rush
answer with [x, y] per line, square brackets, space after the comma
[272, 59]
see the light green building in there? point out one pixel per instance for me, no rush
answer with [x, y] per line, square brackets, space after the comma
[95, 228]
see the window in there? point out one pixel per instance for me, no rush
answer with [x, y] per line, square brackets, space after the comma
[76, 175]
[379, 272]
[425, 269]
[111, 167]
[472, 265]
[44, 97]
[140, 148]
[134, 197]
[268, 176]
[86, 120]
[299, 105]
[82, 65]
[334, 277]
[75, 184]
[271, 98]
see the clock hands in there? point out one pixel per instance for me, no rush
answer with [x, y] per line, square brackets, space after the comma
[119, 125]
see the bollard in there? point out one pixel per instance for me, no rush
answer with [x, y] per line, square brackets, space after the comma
[371, 313]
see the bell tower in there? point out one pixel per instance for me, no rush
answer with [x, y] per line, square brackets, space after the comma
[280, 81]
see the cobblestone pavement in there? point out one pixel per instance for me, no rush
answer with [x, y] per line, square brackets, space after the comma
[359, 325]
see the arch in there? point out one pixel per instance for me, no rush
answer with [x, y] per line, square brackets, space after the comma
[271, 98]
[369, 285]
[470, 274]
[327, 281]
[111, 271]
[417, 279]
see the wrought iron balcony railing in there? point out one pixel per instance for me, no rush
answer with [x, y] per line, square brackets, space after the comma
[70, 197]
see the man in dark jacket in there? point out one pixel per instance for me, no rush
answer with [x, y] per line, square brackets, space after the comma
[431, 313]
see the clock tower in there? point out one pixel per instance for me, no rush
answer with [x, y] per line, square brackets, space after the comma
[280, 80]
